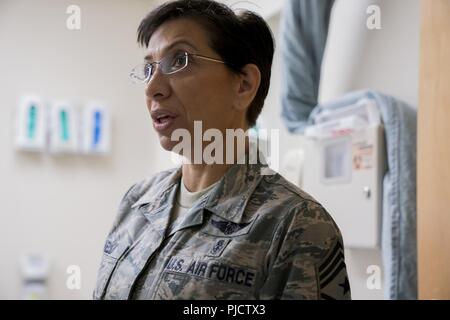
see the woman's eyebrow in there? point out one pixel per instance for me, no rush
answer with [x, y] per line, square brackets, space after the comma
[170, 46]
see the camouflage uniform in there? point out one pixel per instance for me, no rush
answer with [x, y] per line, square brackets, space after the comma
[252, 236]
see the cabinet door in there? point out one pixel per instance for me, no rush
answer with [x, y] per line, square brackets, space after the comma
[434, 152]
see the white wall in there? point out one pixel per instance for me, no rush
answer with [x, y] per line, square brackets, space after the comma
[386, 60]
[64, 206]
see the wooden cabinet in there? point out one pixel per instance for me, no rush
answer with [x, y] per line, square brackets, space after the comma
[433, 183]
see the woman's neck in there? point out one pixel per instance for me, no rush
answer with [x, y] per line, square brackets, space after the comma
[197, 177]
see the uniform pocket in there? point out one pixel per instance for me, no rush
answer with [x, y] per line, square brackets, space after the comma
[107, 266]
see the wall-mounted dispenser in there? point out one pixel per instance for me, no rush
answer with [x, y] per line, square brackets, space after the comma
[344, 169]
[35, 269]
[96, 132]
[31, 130]
[64, 124]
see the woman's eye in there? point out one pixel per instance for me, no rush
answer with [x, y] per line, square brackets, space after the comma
[178, 61]
[148, 70]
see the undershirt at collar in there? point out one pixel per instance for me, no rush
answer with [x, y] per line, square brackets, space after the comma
[186, 199]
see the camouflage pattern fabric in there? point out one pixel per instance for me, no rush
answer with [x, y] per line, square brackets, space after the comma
[252, 236]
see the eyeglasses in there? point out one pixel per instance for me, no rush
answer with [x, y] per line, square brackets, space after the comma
[170, 64]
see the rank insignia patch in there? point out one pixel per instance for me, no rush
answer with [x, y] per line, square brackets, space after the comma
[218, 247]
[333, 280]
[109, 247]
[228, 227]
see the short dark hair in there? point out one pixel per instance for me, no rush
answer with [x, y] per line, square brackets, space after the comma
[238, 38]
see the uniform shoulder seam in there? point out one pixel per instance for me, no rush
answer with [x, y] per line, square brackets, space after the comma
[286, 184]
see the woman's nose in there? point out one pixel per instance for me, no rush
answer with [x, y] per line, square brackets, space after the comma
[158, 86]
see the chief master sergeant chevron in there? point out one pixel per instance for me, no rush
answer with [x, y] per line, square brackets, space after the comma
[215, 231]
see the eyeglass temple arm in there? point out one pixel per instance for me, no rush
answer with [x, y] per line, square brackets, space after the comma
[206, 58]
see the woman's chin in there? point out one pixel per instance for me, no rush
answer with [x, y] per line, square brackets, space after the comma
[166, 143]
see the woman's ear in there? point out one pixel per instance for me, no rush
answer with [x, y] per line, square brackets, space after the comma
[249, 80]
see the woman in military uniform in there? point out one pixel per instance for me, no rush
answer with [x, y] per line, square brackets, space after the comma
[221, 230]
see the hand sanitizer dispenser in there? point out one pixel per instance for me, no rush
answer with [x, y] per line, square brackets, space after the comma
[96, 129]
[35, 268]
[64, 131]
[31, 119]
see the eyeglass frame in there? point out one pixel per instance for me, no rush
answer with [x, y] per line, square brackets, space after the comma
[186, 54]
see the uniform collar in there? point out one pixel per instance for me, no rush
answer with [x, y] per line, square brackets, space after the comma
[227, 199]
[157, 194]
[230, 197]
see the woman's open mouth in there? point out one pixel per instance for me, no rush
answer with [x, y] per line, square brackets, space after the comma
[163, 122]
